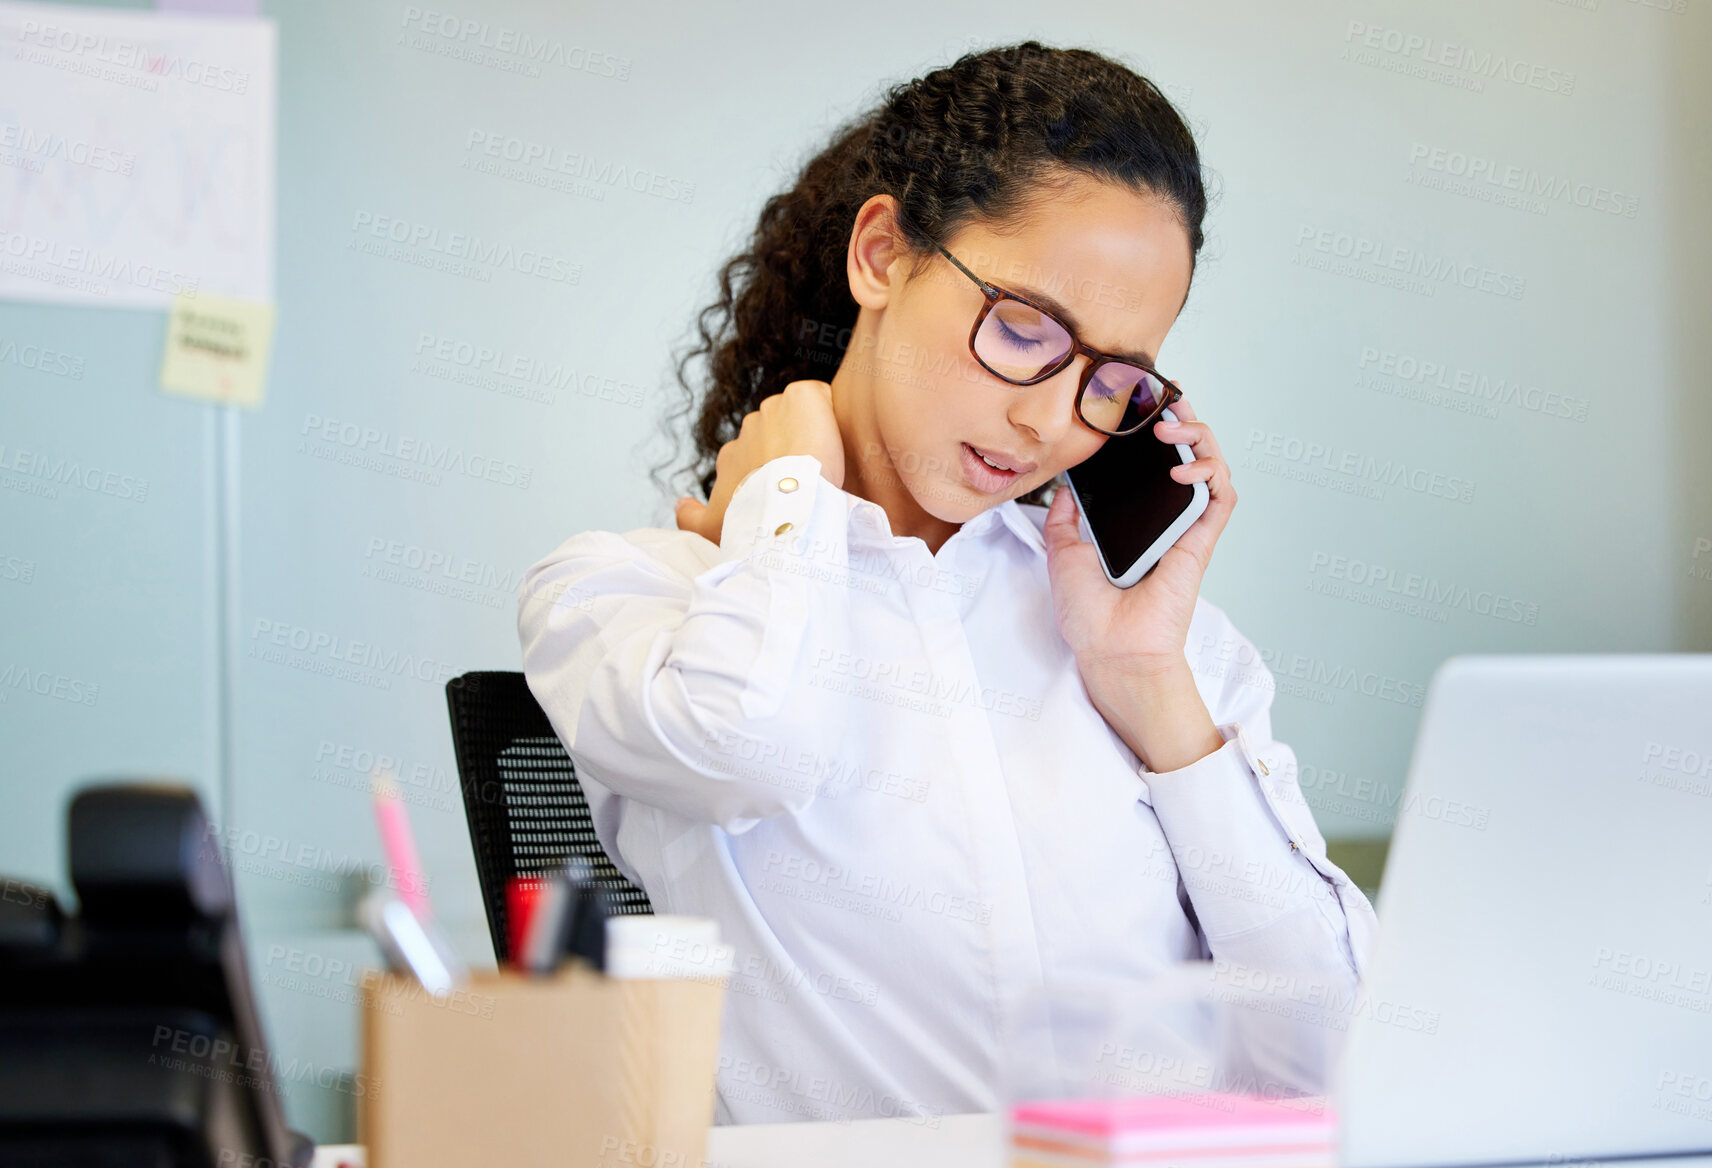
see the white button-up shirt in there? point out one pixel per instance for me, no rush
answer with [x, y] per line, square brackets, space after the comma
[879, 771]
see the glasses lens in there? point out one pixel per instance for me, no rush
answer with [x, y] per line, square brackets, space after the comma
[1017, 340]
[1120, 397]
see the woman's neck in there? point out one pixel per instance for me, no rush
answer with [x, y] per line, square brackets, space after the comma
[869, 472]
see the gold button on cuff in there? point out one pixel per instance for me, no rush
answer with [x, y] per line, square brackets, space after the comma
[782, 528]
[787, 484]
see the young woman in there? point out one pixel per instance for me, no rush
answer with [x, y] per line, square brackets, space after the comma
[874, 707]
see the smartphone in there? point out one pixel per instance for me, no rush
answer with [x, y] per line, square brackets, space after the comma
[1132, 509]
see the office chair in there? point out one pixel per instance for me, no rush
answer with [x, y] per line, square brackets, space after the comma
[525, 808]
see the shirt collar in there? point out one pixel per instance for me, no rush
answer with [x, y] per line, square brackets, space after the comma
[1013, 516]
[1009, 513]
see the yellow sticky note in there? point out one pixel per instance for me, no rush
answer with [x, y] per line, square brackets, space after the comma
[217, 349]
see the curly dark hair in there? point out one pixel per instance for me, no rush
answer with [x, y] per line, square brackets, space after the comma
[983, 137]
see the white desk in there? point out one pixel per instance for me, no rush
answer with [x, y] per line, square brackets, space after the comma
[960, 1141]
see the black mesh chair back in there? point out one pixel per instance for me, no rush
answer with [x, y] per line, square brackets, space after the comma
[525, 808]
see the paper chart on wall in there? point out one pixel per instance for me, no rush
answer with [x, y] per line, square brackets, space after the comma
[136, 156]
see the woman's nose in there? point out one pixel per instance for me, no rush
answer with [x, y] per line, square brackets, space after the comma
[1048, 409]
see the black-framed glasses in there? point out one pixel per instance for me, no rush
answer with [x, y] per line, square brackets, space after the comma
[1023, 343]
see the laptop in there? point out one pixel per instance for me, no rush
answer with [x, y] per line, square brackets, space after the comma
[1547, 910]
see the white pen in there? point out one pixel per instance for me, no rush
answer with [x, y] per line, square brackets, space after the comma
[410, 945]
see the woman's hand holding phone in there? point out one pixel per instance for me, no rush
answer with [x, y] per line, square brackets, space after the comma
[799, 419]
[1129, 642]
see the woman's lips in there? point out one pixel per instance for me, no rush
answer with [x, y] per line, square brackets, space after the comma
[982, 477]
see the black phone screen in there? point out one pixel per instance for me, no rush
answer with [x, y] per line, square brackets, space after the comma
[1127, 493]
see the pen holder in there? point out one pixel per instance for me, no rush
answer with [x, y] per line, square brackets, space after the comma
[572, 1069]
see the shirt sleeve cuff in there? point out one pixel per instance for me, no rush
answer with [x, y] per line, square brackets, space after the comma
[775, 502]
[1239, 861]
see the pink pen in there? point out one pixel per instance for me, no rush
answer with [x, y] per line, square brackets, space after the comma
[400, 845]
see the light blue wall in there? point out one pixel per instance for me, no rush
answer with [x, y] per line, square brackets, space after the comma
[1593, 521]
[108, 590]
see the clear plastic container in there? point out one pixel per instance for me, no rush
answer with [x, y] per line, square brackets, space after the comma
[1217, 1038]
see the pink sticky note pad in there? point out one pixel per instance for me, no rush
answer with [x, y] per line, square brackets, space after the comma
[1228, 1113]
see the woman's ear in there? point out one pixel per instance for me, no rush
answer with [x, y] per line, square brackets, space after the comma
[875, 260]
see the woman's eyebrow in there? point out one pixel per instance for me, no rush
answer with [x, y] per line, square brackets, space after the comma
[1064, 314]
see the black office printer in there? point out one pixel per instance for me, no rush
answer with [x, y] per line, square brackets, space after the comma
[128, 1032]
